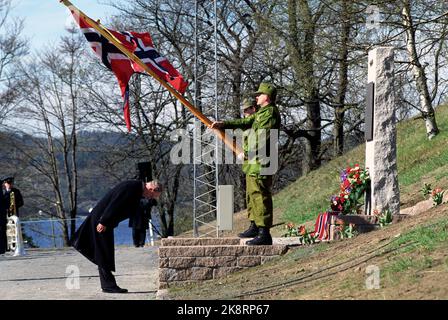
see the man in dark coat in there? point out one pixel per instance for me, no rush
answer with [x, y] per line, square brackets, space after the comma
[3, 240]
[8, 190]
[95, 237]
[140, 221]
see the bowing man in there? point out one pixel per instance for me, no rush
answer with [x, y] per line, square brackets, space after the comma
[95, 237]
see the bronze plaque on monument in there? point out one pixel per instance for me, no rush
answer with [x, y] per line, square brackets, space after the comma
[370, 101]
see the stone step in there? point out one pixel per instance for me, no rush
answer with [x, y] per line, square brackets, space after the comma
[177, 242]
[185, 260]
[221, 250]
[166, 242]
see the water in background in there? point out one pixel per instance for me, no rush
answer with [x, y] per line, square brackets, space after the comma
[48, 234]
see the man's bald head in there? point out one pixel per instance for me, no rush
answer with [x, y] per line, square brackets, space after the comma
[152, 189]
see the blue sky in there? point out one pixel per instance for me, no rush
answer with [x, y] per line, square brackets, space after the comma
[45, 20]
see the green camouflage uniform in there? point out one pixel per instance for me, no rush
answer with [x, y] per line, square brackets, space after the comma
[258, 187]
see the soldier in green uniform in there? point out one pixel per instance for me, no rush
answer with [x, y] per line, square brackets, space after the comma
[249, 108]
[258, 185]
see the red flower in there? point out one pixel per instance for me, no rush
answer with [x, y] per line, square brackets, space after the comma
[302, 230]
[346, 184]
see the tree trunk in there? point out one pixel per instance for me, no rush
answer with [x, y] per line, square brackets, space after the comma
[73, 174]
[339, 112]
[65, 237]
[314, 138]
[172, 205]
[302, 58]
[420, 76]
[338, 131]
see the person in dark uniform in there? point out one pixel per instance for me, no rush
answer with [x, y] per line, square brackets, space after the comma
[12, 197]
[95, 237]
[3, 240]
[140, 221]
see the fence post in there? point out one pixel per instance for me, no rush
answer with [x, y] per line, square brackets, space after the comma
[151, 233]
[52, 232]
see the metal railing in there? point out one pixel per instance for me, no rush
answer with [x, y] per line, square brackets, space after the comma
[48, 233]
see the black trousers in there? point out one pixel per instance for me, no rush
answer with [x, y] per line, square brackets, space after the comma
[107, 279]
[3, 240]
[139, 237]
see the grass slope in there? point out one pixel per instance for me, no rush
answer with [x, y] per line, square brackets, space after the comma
[419, 161]
[411, 256]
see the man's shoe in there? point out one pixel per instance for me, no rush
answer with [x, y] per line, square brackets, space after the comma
[263, 238]
[116, 289]
[251, 232]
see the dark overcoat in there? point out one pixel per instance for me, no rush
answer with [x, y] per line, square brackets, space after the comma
[3, 219]
[140, 220]
[17, 196]
[120, 203]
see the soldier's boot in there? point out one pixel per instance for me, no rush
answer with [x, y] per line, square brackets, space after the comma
[263, 238]
[251, 232]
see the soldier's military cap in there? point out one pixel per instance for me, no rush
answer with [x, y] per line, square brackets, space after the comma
[266, 88]
[7, 179]
[248, 102]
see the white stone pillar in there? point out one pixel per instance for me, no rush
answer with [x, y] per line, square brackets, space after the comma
[381, 151]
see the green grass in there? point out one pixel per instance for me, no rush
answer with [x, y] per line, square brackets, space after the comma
[419, 160]
[409, 263]
[424, 237]
[409, 260]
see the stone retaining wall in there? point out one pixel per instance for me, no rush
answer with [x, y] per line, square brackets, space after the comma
[188, 260]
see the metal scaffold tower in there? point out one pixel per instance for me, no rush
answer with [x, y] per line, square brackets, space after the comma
[205, 145]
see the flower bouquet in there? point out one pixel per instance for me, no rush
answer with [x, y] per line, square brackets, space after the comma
[354, 183]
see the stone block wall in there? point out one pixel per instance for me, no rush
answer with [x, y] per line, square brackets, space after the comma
[197, 259]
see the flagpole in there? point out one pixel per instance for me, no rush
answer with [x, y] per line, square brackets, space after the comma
[198, 114]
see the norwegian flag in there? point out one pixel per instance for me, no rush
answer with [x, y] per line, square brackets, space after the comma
[160, 65]
[142, 46]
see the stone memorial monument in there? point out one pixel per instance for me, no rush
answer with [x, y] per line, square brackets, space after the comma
[381, 133]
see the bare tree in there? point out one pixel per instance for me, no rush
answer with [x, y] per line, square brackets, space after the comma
[12, 48]
[418, 69]
[52, 89]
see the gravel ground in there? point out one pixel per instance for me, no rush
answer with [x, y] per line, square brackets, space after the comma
[49, 274]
